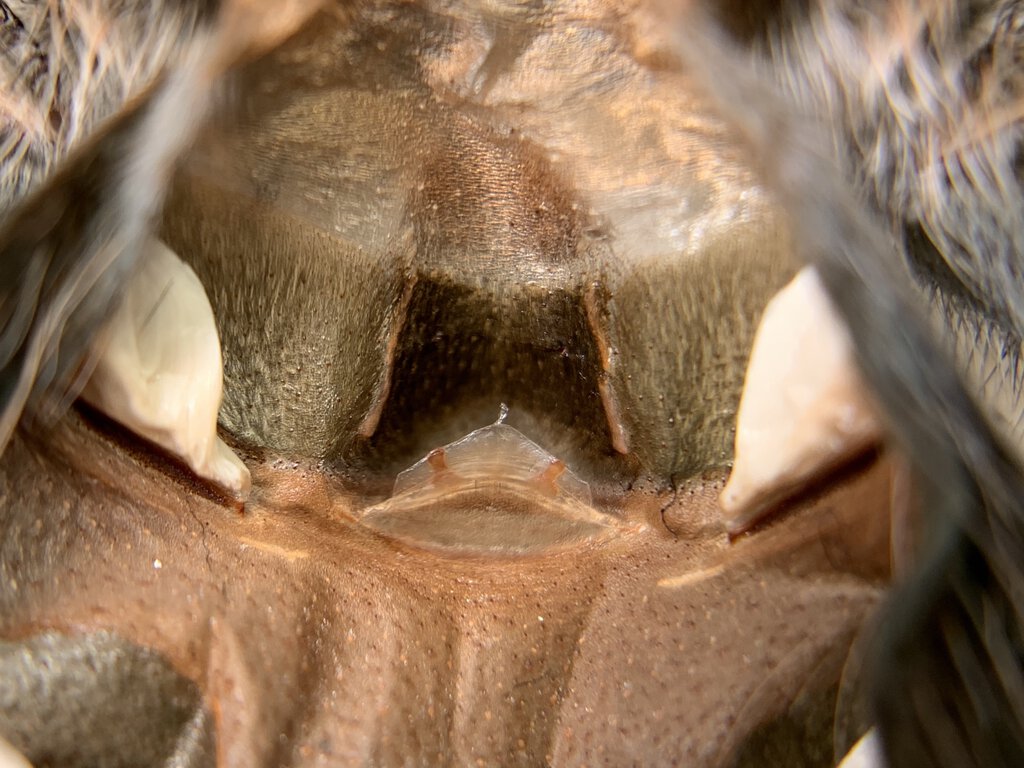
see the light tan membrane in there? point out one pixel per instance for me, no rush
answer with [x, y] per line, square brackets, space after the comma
[803, 411]
[495, 453]
[493, 491]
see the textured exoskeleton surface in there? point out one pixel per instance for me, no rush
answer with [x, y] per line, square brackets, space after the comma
[404, 216]
[317, 641]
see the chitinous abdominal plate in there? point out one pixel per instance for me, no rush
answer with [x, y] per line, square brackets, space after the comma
[494, 491]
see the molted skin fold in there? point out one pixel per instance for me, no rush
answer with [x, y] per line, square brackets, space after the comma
[158, 370]
[492, 492]
[495, 454]
[804, 410]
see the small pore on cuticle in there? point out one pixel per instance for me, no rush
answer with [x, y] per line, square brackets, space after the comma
[494, 491]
